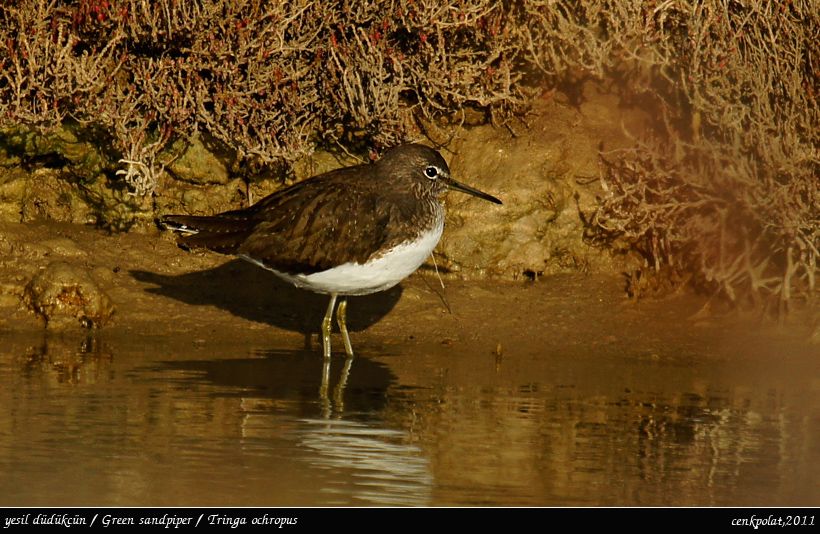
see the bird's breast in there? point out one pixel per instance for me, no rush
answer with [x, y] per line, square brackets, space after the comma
[382, 271]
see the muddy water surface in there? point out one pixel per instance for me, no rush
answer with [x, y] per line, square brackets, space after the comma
[561, 406]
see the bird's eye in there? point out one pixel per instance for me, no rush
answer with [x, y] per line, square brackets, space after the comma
[431, 172]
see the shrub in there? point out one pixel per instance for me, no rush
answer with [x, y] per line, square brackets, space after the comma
[268, 79]
[730, 191]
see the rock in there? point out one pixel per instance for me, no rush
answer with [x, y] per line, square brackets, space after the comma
[540, 174]
[7, 300]
[195, 200]
[65, 296]
[179, 197]
[199, 165]
[49, 196]
[65, 180]
[12, 190]
[69, 144]
[63, 246]
[322, 161]
[209, 197]
[116, 209]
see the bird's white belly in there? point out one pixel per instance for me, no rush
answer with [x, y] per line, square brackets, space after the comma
[378, 274]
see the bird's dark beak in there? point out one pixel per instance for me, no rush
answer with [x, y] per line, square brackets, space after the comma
[458, 186]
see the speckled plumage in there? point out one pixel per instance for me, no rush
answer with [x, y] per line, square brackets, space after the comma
[346, 215]
[346, 218]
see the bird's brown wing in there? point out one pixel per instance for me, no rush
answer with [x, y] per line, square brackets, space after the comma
[328, 223]
[309, 227]
[226, 232]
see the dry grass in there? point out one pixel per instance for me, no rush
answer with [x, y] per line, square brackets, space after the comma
[268, 79]
[728, 192]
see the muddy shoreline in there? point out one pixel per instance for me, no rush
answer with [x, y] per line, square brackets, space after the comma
[160, 290]
[558, 391]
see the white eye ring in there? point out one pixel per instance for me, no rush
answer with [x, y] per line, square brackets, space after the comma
[431, 172]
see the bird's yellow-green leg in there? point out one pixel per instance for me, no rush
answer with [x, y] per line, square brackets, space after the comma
[339, 390]
[323, 396]
[326, 325]
[341, 318]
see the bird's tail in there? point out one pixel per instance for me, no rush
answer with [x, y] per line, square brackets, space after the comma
[218, 232]
[184, 224]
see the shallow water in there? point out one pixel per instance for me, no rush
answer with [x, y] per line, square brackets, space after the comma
[112, 420]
